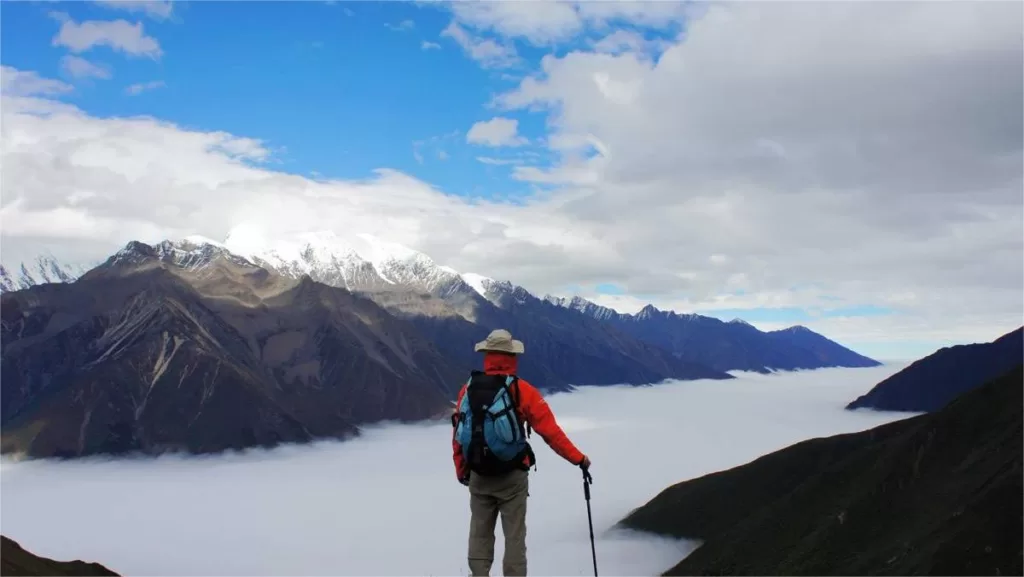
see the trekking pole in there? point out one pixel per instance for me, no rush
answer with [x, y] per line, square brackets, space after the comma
[587, 480]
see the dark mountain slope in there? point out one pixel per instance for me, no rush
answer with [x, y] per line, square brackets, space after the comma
[929, 383]
[563, 346]
[726, 346]
[934, 494]
[15, 560]
[154, 352]
[822, 350]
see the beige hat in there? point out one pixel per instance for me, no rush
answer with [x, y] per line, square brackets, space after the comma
[501, 341]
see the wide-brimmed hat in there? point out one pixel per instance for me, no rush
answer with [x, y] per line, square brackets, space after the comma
[500, 341]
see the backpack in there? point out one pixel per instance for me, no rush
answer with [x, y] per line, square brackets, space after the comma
[488, 428]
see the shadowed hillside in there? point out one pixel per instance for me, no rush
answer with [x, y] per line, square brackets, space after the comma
[14, 560]
[929, 383]
[936, 494]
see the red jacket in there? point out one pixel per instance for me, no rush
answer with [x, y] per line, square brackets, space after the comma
[532, 409]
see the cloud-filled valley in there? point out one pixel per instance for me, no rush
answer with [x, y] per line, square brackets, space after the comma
[388, 503]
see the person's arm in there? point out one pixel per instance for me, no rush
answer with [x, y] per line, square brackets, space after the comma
[461, 467]
[537, 412]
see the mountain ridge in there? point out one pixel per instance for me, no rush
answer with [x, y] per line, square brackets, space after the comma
[929, 383]
[937, 493]
[725, 345]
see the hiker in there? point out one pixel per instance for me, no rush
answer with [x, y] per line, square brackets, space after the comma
[496, 470]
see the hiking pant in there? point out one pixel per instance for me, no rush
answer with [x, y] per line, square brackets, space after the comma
[489, 496]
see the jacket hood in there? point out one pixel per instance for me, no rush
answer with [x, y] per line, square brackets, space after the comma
[497, 363]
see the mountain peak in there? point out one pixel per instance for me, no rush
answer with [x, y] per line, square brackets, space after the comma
[649, 311]
[191, 253]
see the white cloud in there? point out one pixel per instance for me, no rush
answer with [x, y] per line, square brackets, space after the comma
[430, 45]
[140, 87]
[344, 506]
[14, 82]
[497, 131]
[488, 52]
[79, 67]
[117, 34]
[498, 161]
[158, 9]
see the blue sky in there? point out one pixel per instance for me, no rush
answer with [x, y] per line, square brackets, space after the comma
[296, 75]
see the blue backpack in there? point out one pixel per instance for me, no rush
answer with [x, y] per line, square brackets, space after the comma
[487, 427]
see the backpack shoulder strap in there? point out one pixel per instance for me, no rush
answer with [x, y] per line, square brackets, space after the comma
[513, 383]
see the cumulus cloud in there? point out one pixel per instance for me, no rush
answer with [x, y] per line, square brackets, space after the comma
[426, 45]
[347, 508]
[820, 167]
[497, 131]
[79, 67]
[117, 34]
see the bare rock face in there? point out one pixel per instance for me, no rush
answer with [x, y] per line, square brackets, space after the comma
[169, 350]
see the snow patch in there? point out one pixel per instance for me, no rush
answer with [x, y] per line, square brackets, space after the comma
[477, 282]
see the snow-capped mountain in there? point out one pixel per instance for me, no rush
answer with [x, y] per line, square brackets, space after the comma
[364, 263]
[43, 269]
[191, 253]
[584, 306]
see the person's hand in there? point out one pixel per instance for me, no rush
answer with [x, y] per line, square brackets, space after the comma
[464, 479]
[585, 463]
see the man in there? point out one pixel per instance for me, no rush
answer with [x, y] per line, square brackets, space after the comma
[494, 467]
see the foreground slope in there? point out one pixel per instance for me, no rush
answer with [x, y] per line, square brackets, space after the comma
[725, 346]
[934, 494]
[185, 347]
[15, 560]
[929, 383]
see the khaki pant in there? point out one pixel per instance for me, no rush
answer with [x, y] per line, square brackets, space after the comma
[489, 496]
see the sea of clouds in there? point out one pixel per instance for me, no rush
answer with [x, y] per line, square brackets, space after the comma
[389, 504]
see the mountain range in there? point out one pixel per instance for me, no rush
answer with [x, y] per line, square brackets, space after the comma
[203, 346]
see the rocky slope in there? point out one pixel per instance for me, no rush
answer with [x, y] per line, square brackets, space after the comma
[15, 560]
[724, 346]
[936, 494]
[929, 383]
[189, 347]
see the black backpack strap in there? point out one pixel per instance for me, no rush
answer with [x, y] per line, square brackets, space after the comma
[515, 401]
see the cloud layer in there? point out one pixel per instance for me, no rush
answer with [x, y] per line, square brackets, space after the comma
[389, 504]
[806, 154]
